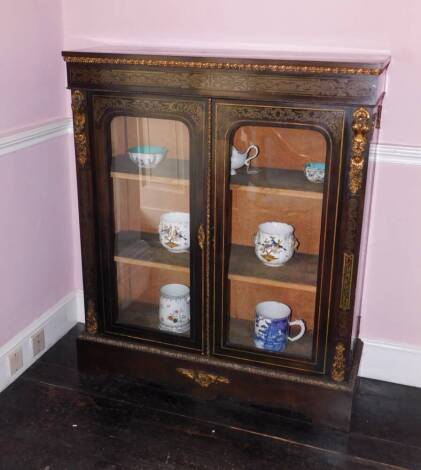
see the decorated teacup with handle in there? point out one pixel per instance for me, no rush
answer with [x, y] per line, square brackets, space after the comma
[174, 231]
[174, 308]
[239, 159]
[275, 243]
[272, 325]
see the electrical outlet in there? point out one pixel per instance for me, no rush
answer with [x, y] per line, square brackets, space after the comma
[15, 361]
[38, 342]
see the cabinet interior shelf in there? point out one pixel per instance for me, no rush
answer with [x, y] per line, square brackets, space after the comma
[144, 249]
[143, 315]
[176, 171]
[241, 332]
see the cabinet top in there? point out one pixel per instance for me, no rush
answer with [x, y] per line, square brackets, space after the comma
[247, 60]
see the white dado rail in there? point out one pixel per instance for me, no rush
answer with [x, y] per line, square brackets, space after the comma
[11, 142]
[27, 137]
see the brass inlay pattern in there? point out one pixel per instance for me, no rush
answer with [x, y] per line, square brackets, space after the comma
[204, 379]
[208, 226]
[347, 271]
[330, 121]
[191, 109]
[360, 126]
[79, 125]
[338, 366]
[91, 321]
[186, 64]
[201, 237]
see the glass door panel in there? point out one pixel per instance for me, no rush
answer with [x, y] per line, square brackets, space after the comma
[150, 171]
[276, 208]
[276, 190]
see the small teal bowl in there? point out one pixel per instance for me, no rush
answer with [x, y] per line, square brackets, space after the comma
[147, 156]
[315, 172]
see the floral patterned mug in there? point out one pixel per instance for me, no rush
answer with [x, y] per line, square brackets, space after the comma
[174, 308]
[275, 243]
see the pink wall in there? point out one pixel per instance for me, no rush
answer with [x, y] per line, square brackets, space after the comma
[392, 294]
[32, 73]
[37, 236]
[271, 25]
[391, 291]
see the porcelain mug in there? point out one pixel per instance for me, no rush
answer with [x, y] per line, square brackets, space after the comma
[272, 326]
[239, 159]
[275, 243]
[174, 231]
[174, 308]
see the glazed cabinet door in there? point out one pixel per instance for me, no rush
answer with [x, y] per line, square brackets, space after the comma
[150, 169]
[276, 202]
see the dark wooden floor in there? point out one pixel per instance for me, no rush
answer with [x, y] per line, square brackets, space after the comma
[53, 417]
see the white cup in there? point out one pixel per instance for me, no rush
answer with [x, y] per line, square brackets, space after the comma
[174, 308]
[272, 326]
[174, 231]
[275, 243]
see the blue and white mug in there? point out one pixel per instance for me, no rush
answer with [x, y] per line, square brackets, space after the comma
[272, 326]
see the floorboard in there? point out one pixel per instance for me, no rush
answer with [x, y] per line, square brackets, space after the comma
[54, 417]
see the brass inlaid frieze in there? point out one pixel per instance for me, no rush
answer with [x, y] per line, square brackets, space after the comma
[338, 366]
[79, 126]
[209, 64]
[361, 127]
[347, 271]
[224, 82]
[204, 379]
[91, 320]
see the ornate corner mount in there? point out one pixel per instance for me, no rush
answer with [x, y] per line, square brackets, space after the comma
[360, 127]
[338, 365]
[79, 125]
[204, 379]
[347, 271]
[91, 320]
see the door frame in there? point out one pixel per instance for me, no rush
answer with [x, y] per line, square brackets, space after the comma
[229, 115]
[192, 112]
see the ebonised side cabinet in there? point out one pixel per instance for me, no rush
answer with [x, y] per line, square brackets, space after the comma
[221, 204]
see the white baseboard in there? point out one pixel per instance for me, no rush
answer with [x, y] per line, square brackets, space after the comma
[35, 135]
[391, 363]
[56, 322]
[80, 305]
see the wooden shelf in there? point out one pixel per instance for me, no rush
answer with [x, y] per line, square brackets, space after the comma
[144, 249]
[170, 171]
[276, 181]
[241, 333]
[267, 180]
[143, 315]
[300, 271]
